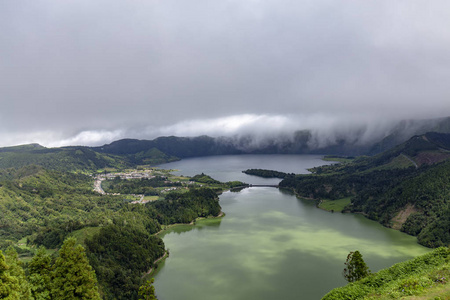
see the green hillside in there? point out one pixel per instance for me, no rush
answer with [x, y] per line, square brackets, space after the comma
[61, 159]
[47, 205]
[407, 187]
[173, 147]
[424, 277]
[22, 148]
[40, 207]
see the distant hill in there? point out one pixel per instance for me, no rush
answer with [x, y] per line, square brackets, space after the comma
[61, 159]
[133, 152]
[408, 128]
[119, 154]
[301, 142]
[173, 147]
[22, 148]
[426, 149]
[406, 188]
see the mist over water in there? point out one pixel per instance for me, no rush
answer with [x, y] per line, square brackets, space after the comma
[270, 245]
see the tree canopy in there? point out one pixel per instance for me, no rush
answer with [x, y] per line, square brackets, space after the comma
[355, 267]
[13, 283]
[72, 275]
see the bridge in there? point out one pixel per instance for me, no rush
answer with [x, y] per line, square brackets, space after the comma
[263, 185]
[255, 185]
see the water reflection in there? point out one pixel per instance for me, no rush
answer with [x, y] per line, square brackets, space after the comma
[211, 223]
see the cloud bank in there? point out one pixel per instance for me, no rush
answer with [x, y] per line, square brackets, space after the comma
[88, 72]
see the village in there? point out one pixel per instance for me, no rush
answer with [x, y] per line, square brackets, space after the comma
[144, 174]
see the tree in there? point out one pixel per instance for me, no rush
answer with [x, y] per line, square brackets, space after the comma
[356, 268]
[147, 290]
[40, 269]
[72, 276]
[13, 283]
[7, 283]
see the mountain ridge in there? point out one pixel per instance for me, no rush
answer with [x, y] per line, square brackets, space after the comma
[132, 152]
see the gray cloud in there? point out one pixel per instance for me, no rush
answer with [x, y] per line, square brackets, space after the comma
[87, 72]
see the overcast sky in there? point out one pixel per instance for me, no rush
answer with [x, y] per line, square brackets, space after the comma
[92, 71]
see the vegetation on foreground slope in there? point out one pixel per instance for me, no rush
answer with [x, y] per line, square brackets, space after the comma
[43, 207]
[424, 275]
[67, 275]
[406, 188]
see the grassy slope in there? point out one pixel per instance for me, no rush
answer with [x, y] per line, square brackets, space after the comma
[424, 277]
[82, 234]
[335, 205]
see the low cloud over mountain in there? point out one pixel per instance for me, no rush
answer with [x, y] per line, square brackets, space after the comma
[89, 72]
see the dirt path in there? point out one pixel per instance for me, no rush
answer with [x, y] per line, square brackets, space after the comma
[166, 254]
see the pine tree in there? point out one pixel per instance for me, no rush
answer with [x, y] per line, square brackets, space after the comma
[72, 276]
[13, 283]
[356, 268]
[40, 269]
[5, 279]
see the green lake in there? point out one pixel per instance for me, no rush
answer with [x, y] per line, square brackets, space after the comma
[270, 244]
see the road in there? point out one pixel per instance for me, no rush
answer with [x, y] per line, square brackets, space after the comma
[98, 186]
[408, 158]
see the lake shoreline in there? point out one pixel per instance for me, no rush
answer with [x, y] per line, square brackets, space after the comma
[156, 263]
[161, 259]
[271, 240]
[167, 227]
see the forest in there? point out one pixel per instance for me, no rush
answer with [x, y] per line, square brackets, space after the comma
[386, 186]
[41, 207]
[266, 173]
[66, 275]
